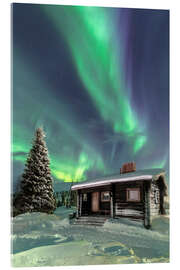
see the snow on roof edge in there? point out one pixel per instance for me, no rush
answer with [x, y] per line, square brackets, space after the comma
[107, 182]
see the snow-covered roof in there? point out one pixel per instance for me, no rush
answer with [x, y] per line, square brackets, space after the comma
[148, 174]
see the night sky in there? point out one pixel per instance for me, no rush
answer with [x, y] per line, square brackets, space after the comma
[97, 80]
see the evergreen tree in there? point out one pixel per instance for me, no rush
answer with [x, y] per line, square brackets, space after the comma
[36, 187]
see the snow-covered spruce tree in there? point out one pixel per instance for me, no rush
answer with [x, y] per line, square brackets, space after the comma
[36, 187]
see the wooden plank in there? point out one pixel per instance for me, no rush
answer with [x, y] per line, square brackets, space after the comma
[129, 212]
[77, 212]
[134, 208]
[113, 200]
[111, 206]
[129, 203]
[125, 184]
[80, 204]
[131, 217]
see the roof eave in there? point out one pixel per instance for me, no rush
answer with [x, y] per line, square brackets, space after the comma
[110, 181]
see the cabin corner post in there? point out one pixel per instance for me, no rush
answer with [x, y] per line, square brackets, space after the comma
[147, 209]
[80, 204]
[77, 204]
[112, 204]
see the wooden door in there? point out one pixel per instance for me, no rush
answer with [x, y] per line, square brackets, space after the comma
[95, 202]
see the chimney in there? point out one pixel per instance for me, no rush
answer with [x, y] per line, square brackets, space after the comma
[128, 167]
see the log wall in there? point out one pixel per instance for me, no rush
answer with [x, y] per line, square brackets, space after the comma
[104, 207]
[124, 208]
[93, 189]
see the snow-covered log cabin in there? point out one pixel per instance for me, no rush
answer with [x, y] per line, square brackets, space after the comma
[133, 194]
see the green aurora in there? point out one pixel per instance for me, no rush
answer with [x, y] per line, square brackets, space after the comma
[95, 41]
[98, 62]
[71, 169]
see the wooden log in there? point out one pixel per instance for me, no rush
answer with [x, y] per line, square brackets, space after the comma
[131, 217]
[80, 205]
[129, 212]
[98, 188]
[111, 206]
[77, 212]
[113, 199]
[138, 207]
[128, 184]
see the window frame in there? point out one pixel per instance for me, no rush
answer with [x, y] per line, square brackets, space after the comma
[128, 199]
[105, 200]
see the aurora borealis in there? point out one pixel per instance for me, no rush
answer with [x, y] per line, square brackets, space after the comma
[97, 80]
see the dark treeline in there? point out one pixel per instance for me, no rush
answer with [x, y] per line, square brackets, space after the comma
[66, 198]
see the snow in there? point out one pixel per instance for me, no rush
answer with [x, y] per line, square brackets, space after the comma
[147, 174]
[39, 239]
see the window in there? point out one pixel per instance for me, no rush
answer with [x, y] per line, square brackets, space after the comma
[133, 194]
[85, 197]
[105, 196]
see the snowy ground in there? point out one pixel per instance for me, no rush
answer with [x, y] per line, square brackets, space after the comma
[39, 239]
